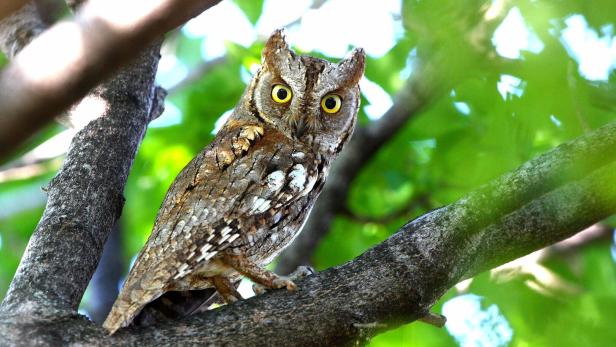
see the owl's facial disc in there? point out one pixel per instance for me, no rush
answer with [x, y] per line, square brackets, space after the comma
[310, 99]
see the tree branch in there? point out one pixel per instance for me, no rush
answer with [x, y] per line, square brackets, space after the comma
[418, 93]
[104, 35]
[546, 200]
[85, 198]
[422, 200]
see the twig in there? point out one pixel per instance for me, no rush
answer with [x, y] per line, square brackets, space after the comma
[29, 170]
[197, 73]
[421, 200]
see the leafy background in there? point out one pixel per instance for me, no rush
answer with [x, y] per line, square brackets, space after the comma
[500, 91]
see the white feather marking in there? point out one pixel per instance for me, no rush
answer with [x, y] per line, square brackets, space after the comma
[298, 177]
[225, 231]
[223, 239]
[207, 256]
[310, 184]
[233, 237]
[206, 247]
[210, 238]
[260, 205]
[179, 226]
[275, 180]
[192, 254]
[182, 271]
[298, 155]
[264, 206]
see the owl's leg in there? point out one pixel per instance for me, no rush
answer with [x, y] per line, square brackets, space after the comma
[256, 273]
[300, 273]
[226, 289]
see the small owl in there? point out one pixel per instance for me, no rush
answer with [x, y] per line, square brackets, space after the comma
[246, 196]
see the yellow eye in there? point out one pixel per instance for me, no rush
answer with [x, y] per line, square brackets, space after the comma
[281, 94]
[331, 103]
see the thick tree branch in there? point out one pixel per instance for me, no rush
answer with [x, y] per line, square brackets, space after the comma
[85, 198]
[546, 200]
[104, 35]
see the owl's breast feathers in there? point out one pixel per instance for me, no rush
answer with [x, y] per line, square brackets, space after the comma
[247, 193]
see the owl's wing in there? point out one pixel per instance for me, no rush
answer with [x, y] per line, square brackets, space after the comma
[243, 174]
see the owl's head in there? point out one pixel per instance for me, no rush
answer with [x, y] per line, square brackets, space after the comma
[308, 99]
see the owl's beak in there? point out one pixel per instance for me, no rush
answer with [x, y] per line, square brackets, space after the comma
[300, 128]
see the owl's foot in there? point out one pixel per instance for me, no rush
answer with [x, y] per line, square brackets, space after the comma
[300, 273]
[226, 289]
[258, 274]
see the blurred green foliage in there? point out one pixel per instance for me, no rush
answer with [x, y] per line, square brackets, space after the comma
[469, 133]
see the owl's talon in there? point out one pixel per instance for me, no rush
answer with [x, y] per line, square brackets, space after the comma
[302, 272]
[277, 283]
[281, 282]
[258, 289]
[229, 299]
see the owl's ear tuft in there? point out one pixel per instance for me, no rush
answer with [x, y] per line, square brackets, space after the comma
[277, 49]
[352, 66]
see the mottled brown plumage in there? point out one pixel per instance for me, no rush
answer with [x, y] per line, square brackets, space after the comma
[244, 198]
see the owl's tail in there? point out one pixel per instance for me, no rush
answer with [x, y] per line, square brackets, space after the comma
[174, 305]
[126, 307]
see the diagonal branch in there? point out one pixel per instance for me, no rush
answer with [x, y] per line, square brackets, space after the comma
[85, 198]
[103, 36]
[545, 200]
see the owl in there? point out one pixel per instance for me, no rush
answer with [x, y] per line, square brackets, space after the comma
[246, 196]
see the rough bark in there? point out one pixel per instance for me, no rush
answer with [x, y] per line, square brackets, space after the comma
[103, 36]
[546, 200]
[85, 198]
